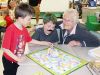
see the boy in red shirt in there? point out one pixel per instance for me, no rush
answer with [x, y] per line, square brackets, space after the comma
[8, 20]
[15, 39]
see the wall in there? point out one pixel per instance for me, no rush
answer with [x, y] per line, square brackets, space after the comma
[54, 5]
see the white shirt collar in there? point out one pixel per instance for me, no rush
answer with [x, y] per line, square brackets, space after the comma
[73, 30]
[62, 26]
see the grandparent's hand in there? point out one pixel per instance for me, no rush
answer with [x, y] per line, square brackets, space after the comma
[47, 43]
[74, 43]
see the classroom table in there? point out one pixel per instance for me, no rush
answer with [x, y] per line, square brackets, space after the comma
[29, 67]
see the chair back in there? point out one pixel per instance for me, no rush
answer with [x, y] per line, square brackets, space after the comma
[92, 18]
[92, 23]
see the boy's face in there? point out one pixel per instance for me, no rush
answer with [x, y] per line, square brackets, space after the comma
[49, 27]
[26, 21]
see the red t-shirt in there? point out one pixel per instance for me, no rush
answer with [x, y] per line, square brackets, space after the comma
[8, 20]
[15, 40]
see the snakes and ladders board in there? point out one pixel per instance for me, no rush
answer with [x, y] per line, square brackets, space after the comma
[56, 61]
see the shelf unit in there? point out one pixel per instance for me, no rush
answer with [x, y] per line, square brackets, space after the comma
[3, 6]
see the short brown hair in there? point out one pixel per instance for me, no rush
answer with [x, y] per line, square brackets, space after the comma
[23, 10]
[49, 17]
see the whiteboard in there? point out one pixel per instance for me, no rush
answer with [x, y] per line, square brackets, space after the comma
[54, 5]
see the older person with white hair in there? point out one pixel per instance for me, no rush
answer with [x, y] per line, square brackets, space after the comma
[73, 33]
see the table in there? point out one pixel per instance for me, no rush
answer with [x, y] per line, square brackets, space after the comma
[96, 33]
[29, 67]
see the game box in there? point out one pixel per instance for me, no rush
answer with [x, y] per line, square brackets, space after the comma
[57, 61]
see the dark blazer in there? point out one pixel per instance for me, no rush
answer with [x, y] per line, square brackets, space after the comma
[81, 34]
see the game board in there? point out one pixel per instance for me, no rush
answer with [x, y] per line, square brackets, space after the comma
[57, 61]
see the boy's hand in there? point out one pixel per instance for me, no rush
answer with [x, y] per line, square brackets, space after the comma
[21, 59]
[41, 42]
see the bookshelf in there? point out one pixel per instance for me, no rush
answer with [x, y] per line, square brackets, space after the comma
[89, 11]
[3, 6]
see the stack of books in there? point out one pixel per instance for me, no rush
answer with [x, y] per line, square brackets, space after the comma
[94, 65]
[95, 53]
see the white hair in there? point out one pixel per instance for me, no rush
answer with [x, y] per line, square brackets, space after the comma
[73, 14]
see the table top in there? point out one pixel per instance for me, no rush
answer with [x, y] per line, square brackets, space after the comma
[81, 52]
[29, 65]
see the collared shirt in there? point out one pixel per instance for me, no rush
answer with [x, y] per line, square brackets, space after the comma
[65, 33]
[72, 32]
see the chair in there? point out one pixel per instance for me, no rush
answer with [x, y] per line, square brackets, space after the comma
[92, 23]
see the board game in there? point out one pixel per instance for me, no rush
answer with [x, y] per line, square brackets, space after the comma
[56, 61]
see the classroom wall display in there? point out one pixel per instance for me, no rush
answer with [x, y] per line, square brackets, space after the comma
[56, 61]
